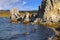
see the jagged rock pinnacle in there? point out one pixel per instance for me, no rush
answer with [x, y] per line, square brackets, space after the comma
[50, 10]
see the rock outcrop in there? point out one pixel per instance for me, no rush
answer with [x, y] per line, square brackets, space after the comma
[14, 14]
[50, 10]
[41, 9]
[51, 13]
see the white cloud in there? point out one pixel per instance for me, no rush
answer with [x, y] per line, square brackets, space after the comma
[14, 1]
[5, 4]
[1, 8]
[8, 4]
[24, 2]
[4, 1]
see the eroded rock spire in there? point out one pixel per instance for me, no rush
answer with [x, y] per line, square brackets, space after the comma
[50, 10]
[41, 9]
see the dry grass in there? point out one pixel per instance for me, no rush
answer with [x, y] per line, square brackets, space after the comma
[50, 24]
[7, 14]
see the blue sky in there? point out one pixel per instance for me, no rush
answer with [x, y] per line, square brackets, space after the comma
[20, 4]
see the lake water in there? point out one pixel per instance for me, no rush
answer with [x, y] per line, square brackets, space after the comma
[15, 31]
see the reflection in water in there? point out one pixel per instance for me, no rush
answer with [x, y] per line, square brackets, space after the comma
[14, 31]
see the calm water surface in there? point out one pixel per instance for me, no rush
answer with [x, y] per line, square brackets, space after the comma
[14, 31]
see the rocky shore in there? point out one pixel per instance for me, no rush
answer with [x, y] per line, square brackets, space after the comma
[47, 15]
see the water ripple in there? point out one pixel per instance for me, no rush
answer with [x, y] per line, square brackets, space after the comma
[9, 31]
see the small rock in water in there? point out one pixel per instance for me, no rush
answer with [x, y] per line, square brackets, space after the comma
[26, 33]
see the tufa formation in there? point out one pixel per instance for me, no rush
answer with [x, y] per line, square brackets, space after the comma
[50, 10]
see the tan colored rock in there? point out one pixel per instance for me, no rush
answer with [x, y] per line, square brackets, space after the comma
[52, 10]
[26, 20]
[14, 13]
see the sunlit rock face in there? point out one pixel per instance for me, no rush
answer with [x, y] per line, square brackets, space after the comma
[14, 13]
[51, 10]
[26, 20]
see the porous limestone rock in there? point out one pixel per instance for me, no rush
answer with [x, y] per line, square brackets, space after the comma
[50, 10]
[14, 14]
[26, 20]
